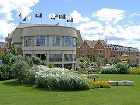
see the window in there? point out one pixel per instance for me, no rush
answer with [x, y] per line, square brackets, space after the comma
[40, 41]
[68, 57]
[55, 41]
[41, 56]
[68, 41]
[29, 55]
[29, 41]
[55, 57]
[83, 51]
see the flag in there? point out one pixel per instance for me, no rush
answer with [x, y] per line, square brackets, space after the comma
[38, 15]
[19, 15]
[24, 19]
[27, 18]
[70, 20]
[53, 16]
[62, 16]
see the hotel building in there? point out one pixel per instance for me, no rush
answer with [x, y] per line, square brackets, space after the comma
[53, 43]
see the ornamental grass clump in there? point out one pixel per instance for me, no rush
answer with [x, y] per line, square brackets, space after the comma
[123, 67]
[59, 79]
[110, 70]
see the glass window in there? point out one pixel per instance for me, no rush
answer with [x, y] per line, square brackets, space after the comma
[29, 41]
[40, 41]
[55, 41]
[41, 56]
[68, 57]
[55, 57]
[67, 41]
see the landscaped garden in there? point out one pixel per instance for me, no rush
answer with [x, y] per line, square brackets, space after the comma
[13, 93]
[30, 81]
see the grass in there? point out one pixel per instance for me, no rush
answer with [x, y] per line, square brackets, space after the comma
[12, 93]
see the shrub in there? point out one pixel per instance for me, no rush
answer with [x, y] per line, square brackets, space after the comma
[58, 78]
[50, 65]
[14, 59]
[110, 70]
[36, 60]
[44, 63]
[19, 70]
[99, 84]
[97, 70]
[28, 60]
[134, 71]
[102, 84]
[119, 68]
[5, 72]
[122, 67]
[30, 76]
[133, 62]
[115, 60]
[6, 58]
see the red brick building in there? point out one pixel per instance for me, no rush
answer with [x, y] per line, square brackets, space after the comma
[104, 50]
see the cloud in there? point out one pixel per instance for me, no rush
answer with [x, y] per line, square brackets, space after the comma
[108, 15]
[78, 17]
[115, 38]
[112, 24]
[5, 28]
[133, 15]
[91, 30]
[8, 8]
[20, 6]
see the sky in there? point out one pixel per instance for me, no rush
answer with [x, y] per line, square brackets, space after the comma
[116, 21]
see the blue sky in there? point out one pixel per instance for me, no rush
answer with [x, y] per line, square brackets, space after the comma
[115, 20]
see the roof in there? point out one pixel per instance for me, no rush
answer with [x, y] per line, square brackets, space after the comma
[23, 25]
[92, 43]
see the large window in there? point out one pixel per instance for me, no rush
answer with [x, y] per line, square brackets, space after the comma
[29, 41]
[40, 41]
[41, 56]
[55, 57]
[55, 41]
[68, 57]
[69, 41]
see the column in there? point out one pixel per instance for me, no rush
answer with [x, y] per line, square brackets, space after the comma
[62, 59]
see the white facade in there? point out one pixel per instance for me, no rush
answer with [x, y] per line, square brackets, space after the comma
[54, 44]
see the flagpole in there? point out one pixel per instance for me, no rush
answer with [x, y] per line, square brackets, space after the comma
[41, 20]
[31, 18]
[65, 19]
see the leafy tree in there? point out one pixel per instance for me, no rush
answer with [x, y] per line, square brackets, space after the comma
[84, 61]
[13, 50]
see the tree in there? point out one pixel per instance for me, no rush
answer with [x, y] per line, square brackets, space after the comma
[13, 50]
[84, 61]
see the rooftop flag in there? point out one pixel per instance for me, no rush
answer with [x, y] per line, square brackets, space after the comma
[53, 16]
[63, 16]
[19, 15]
[27, 18]
[38, 15]
[70, 20]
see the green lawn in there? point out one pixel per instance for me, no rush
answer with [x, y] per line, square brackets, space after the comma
[12, 93]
